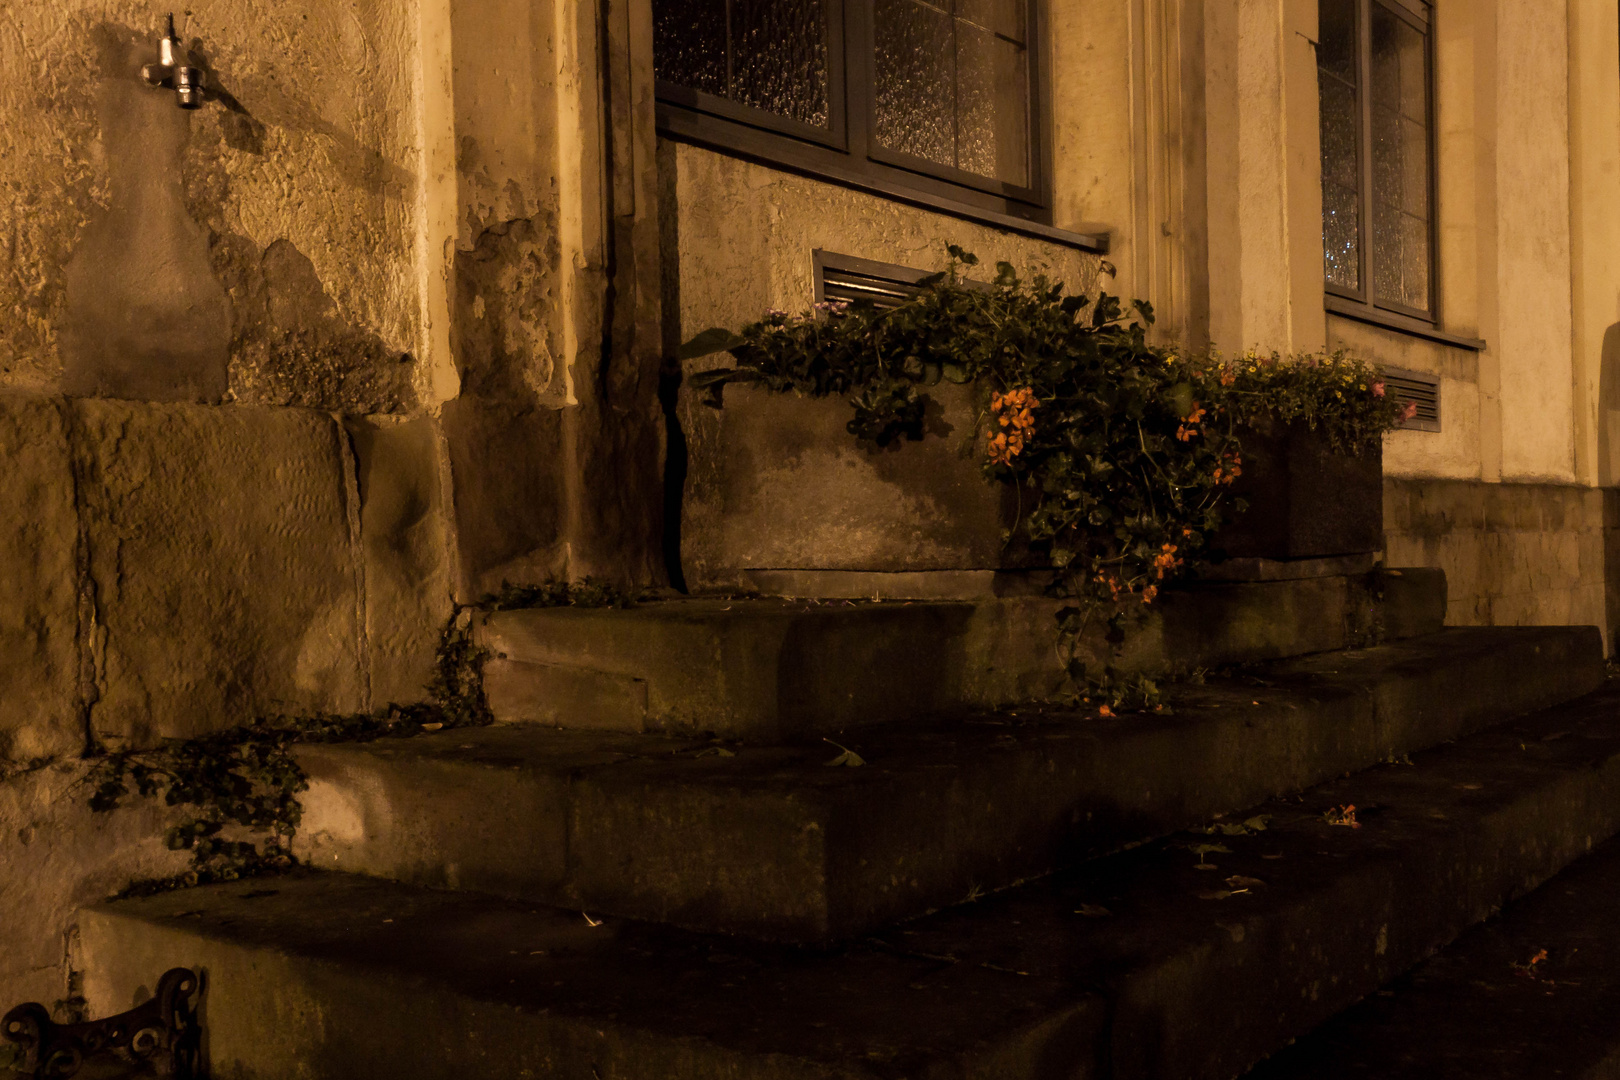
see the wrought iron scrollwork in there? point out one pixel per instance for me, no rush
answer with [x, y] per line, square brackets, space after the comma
[163, 1033]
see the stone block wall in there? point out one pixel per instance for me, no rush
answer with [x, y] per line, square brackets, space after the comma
[172, 569]
[1514, 554]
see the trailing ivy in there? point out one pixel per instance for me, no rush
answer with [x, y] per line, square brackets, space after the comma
[1126, 451]
[590, 592]
[240, 787]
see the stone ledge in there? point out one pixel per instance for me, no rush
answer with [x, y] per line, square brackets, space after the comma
[778, 668]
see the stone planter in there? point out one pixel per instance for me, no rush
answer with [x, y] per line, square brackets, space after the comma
[781, 497]
[1305, 501]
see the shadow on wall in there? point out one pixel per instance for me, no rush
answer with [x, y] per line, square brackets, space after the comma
[145, 318]
[1609, 476]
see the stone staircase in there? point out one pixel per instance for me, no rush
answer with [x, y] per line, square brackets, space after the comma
[651, 870]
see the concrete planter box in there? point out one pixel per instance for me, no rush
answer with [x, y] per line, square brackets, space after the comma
[779, 497]
[1305, 501]
[778, 491]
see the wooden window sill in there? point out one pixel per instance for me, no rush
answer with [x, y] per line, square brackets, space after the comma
[820, 164]
[1401, 324]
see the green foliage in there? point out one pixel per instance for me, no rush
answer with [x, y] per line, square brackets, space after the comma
[1128, 450]
[241, 786]
[1337, 394]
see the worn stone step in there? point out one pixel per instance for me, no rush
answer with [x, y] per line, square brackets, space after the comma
[1486, 1007]
[777, 668]
[772, 842]
[1147, 965]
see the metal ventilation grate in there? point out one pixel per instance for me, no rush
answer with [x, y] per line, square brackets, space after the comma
[1421, 389]
[844, 277]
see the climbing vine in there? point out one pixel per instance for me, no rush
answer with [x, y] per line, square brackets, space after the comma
[1125, 452]
[240, 786]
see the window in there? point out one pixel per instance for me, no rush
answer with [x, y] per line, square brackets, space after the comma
[928, 97]
[1373, 72]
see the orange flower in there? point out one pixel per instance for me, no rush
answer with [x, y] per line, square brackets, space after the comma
[1003, 450]
[1166, 560]
[1343, 815]
[1189, 424]
[1103, 710]
[1149, 593]
[1014, 412]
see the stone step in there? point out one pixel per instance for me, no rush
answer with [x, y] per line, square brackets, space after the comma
[777, 668]
[1166, 962]
[771, 842]
[1485, 1007]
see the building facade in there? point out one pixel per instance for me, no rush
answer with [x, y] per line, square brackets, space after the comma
[390, 318]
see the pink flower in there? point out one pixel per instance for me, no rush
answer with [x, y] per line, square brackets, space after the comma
[1408, 411]
[1378, 389]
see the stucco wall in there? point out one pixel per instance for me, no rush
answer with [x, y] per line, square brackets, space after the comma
[1453, 451]
[259, 249]
[738, 237]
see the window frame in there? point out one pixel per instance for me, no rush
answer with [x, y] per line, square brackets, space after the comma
[1421, 18]
[847, 153]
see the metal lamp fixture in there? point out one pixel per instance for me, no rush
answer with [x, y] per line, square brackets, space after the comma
[174, 70]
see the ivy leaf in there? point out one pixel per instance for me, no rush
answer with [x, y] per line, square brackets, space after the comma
[713, 340]
[848, 757]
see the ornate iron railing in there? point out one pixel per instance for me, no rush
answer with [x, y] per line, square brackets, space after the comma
[163, 1035]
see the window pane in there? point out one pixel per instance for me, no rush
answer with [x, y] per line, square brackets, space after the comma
[767, 54]
[1336, 51]
[1341, 236]
[992, 126]
[952, 89]
[1415, 173]
[1004, 17]
[1414, 262]
[779, 57]
[689, 43]
[1401, 166]
[1341, 173]
[1386, 253]
[914, 80]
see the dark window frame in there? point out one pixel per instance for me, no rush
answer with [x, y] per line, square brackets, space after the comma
[847, 153]
[1363, 302]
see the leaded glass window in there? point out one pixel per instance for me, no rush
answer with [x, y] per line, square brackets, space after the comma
[1373, 75]
[769, 55]
[950, 84]
[932, 94]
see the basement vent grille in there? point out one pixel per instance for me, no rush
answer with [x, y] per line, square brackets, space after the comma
[1423, 390]
[844, 277]
[886, 285]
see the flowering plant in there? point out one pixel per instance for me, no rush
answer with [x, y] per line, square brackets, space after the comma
[1129, 449]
